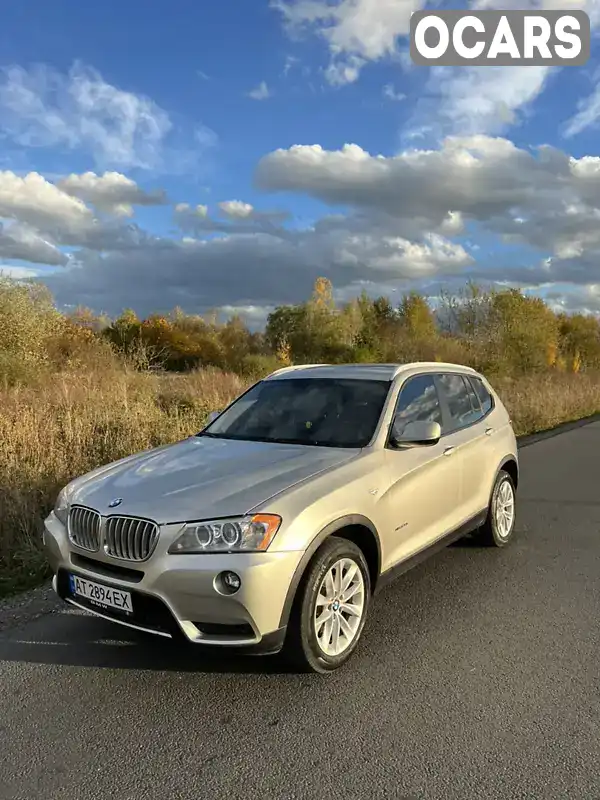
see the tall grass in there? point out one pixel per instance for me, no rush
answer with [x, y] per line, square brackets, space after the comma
[71, 423]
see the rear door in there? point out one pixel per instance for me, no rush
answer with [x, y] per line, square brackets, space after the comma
[422, 500]
[466, 430]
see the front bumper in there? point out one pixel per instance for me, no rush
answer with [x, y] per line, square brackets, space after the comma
[176, 596]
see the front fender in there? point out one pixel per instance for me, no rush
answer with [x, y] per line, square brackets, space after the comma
[329, 530]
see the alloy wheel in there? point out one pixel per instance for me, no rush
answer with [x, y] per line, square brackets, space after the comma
[339, 607]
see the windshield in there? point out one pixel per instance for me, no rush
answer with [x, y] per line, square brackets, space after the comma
[328, 412]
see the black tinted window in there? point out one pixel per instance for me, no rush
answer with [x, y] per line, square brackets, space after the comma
[328, 412]
[456, 392]
[484, 396]
[418, 401]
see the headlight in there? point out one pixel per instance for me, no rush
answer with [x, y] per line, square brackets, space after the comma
[61, 507]
[233, 535]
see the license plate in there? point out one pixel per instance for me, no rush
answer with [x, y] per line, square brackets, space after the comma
[105, 596]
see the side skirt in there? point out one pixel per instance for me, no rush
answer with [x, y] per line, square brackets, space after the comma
[394, 572]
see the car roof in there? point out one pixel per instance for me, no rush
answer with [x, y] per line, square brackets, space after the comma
[382, 372]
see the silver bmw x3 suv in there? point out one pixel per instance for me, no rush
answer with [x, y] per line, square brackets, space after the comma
[275, 525]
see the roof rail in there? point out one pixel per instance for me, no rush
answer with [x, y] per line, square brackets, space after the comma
[294, 367]
[432, 365]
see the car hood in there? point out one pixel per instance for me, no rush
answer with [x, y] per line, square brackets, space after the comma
[200, 478]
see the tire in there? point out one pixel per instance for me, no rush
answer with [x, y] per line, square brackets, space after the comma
[307, 647]
[495, 533]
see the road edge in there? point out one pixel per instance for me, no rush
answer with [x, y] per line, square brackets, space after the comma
[564, 427]
[20, 609]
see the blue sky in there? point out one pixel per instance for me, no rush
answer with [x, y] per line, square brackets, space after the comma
[114, 115]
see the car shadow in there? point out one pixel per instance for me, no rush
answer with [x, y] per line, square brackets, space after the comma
[466, 542]
[81, 640]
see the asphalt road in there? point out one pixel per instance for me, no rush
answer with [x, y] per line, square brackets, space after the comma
[478, 677]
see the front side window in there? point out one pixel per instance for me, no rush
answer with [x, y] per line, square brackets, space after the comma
[327, 412]
[458, 399]
[418, 402]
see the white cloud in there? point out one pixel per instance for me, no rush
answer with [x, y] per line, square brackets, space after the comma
[261, 92]
[45, 108]
[112, 192]
[587, 116]
[79, 110]
[38, 203]
[399, 257]
[236, 209]
[392, 94]
[47, 218]
[239, 217]
[255, 317]
[356, 31]
[543, 199]
[582, 299]
[340, 73]
[199, 211]
[290, 62]
[472, 100]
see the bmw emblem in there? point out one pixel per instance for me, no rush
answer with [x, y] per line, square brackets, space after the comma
[116, 502]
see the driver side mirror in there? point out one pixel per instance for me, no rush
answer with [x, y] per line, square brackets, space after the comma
[212, 417]
[419, 432]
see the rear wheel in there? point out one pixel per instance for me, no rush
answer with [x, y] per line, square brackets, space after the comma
[330, 608]
[499, 526]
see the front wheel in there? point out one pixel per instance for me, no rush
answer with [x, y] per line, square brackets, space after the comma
[330, 609]
[500, 523]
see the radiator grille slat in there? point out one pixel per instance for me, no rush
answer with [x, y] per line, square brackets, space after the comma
[137, 548]
[129, 538]
[84, 528]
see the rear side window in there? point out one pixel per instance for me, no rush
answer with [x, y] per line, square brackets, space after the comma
[418, 401]
[484, 396]
[460, 400]
[473, 397]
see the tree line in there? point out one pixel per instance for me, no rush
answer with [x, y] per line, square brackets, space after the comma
[503, 332]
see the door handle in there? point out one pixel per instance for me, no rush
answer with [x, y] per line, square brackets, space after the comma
[489, 431]
[448, 451]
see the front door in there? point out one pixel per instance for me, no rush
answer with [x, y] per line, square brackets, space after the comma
[421, 503]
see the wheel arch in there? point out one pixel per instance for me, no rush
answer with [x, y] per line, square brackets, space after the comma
[354, 527]
[510, 464]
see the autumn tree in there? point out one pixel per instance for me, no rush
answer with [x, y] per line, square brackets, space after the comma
[28, 321]
[522, 333]
[579, 341]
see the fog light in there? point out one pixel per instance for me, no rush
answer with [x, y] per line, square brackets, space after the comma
[231, 581]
